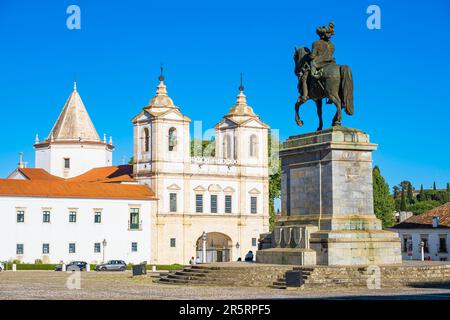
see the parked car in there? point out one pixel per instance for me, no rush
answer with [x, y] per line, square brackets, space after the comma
[112, 265]
[2, 267]
[74, 266]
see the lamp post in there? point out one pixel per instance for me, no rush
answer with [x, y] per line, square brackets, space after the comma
[204, 247]
[422, 253]
[104, 243]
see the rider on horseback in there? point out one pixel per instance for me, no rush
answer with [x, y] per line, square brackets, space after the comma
[321, 56]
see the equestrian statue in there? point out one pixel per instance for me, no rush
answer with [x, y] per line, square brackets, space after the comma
[320, 77]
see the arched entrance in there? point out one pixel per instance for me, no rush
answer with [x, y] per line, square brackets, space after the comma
[218, 247]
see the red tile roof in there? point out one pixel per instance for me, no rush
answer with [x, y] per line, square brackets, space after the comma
[121, 173]
[425, 220]
[38, 174]
[67, 189]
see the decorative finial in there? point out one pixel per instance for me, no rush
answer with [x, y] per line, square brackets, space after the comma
[21, 163]
[110, 139]
[161, 76]
[104, 138]
[74, 86]
[36, 139]
[241, 87]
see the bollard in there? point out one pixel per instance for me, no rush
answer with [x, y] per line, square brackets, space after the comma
[88, 267]
[14, 267]
[63, 267]
[153, 268]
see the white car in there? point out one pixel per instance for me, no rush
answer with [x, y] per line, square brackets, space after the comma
[2, 267]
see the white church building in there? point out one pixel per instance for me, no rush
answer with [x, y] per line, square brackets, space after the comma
[75, 205]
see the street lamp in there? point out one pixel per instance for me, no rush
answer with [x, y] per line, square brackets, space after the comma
[422, 253]
[237, 245]
[204, 246]
[104, 243]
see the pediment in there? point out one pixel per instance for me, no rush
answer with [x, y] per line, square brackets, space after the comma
[229, 190]
[254, 191]
[173, 187]
[214, 188]
[199, 189]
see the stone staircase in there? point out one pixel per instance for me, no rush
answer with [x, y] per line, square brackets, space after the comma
[358, 277]
[248, 275]
[314, 277]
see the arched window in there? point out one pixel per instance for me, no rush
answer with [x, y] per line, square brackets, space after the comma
[172, 138]
[253, 146]
[146, 140]
[227, 147]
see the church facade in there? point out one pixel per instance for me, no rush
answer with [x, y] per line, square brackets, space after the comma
[166, 207]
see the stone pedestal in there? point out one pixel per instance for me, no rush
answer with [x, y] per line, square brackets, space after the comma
[327, 191]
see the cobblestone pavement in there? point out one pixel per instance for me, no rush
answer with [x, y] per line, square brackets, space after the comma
[49, 285]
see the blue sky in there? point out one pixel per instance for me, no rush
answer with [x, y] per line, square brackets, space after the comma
[400, 72]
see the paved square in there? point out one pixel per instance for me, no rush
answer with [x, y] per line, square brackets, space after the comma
[48, 285]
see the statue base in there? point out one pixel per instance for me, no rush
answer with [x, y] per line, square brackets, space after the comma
[327, 204]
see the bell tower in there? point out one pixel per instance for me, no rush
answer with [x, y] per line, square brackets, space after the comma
[241, 135]
[161, 138]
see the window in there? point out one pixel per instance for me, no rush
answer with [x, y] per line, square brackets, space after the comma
[146, 138]
[19, 248]
[97, 217]
[45, 248]
[66, 163]
[72, 216]
[173, 242]
[134, 247]
[172, 138]
[253, 146]
[97, 247]
[134, 218]
[228, 204]
[253, 204]
[173, 202]
[405, 244]
[254, 243]
[442, 243]
[72, 248]
[227, 147]
[213, 203]
[198, 203]
[20, 216]
[46, 216]
[424, 239]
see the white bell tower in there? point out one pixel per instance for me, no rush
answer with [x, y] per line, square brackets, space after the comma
[161, 138]
[73, 145]
[241, 135]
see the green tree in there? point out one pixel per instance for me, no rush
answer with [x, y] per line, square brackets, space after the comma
[131, 160]
[423, 206]
[274, 177]
[204, 148]
[421, 195]
[434, 185]
[384, 205]
[409, 193]
[448, 187]
[403, 201]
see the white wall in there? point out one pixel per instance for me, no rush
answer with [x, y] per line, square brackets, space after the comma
[84, 232]
[83, 157]
[433, 243]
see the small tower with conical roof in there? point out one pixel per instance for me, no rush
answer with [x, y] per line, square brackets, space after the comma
[73, 145]
[241, 135]
[161, 138]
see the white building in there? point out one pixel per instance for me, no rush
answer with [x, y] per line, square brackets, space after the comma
[156, 210]
[432, 229]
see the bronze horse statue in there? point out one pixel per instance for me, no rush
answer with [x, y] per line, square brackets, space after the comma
[336, 85]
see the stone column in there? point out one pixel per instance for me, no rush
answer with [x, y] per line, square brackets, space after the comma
[327, 184]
